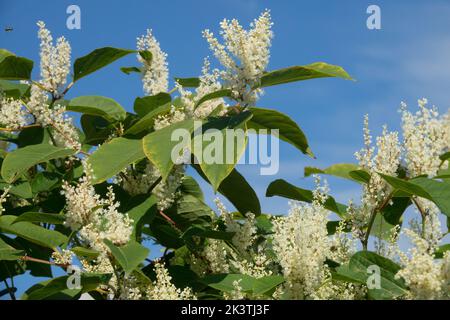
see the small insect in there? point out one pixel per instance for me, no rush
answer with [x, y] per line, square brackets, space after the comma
[9, 29]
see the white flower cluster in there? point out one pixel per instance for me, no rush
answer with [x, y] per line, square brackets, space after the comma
[244, 55]
[236, 293]
[163, 288]
[385, 158]
[64, 132]
[3, 199]
[191, 105]
[135, 182]
[219, 257]
[13, 116]
[216, 255]
[55, 60]
[301, 244]
[55, 66]
[426, 277]
[426, 137]
[155, 74]
[244, 233]
[64, 257]
[95, 218]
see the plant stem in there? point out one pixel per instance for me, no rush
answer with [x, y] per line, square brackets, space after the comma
[422, 213]
[10, 290]
[365, 241]
[27, 258]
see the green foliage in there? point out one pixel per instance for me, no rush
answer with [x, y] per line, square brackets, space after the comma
[286, 190]
[31, 232]
[39, 175]
[217, 172]
[20, 160]
[97, 59]
[98, 106]
[301, 73]
[289, 131]
[123, 151]
[357, 271]
[129, 256]
[341, 170]
[13, 67]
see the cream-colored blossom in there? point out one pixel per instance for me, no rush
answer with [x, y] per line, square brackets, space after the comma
[64, 257]
[244, 55]
[55, 60]
[155, 75]
[164, 289]
[301, 244]
[426, 137]
[12, 114]
[425, 277]
[95, 218]
[64, 132]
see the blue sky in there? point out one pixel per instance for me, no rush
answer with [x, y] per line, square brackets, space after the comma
[407, 59]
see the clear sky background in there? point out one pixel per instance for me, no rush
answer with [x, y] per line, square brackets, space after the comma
[407, 59]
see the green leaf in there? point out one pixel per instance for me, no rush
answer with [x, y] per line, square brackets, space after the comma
[98, 106]
[445, 156]
[13, 89]
[213, 95]
[129, 256]
[97, 59]
[20, 160]
[19, 188]
[147, 121]
[224, 282]
[358, 271]
[360, 175]
[341, 170]
[128, 70]
[139, 212]
[7, 252]
[233, 187]
[188, 82]
[289, 131]
[143, 106]
[51, 218]
[300, 73]
[433, 190]
[406, 186]
[228, 129]
[393, 212]
[189, 210]
[266, 284]
[13, 67]
[85, 253]
[439, 192]
[31, 232]
[45, 181]
[114, 156]
[158, 145]
[190, 186]
[200, 231]
[96, 129]
[381, 228]
[284, 189]
[51, 288]
[439, 253]
[147, 56]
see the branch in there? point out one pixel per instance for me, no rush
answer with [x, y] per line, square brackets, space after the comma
[27, 258]
[365, 241]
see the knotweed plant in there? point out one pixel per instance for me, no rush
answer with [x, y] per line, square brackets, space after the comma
[92, 200]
